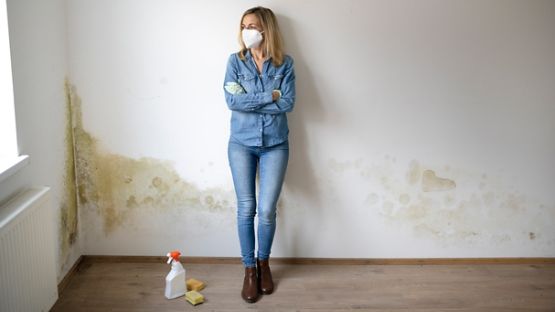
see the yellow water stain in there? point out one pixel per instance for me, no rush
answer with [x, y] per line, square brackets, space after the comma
[116, 200]
[209, 200]
[147, 201]
[431, 182]
[404, 199]
[414, 173]
[214, 204]
[69, 206]
[157, 182]
[490, 215]
[132, 202]
[470, 220]
[449, 200]
[429, 217]
[416, 211]
[514, 203]
[425, 229]
[419, 209]
[116, 186]
[437, 209]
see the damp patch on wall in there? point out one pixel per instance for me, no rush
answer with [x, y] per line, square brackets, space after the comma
[430, 202]
[68, 229]
[431, 182]
[118, 189]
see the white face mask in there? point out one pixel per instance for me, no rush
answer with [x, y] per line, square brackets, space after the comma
[251, 38]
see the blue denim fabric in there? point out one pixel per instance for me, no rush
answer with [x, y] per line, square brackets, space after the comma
[256, 120]
[272, 164]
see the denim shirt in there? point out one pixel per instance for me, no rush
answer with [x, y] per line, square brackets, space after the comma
[257, 120]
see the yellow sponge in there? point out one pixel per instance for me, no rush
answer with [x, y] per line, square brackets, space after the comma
[194, 284]
[194, 297]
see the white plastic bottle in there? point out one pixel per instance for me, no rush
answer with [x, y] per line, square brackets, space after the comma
[175, 280]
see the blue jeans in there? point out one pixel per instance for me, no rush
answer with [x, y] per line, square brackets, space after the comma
[272, 164]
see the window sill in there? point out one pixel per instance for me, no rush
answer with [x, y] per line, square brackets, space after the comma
[9, 166]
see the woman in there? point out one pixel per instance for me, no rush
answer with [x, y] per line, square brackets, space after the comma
[259, 89]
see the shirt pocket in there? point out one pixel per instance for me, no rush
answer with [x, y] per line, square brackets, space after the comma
[247, 81]
[274, 81]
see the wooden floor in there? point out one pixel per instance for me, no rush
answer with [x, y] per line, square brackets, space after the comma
[140, 287]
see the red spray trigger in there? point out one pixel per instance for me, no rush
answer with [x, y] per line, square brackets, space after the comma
[173, 256]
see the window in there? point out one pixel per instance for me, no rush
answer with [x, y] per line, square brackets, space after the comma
[10, 161]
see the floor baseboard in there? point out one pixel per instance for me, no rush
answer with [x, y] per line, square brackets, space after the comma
[65, 281]
[327, 261]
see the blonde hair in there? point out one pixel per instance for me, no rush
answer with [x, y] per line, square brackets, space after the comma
[273, 42]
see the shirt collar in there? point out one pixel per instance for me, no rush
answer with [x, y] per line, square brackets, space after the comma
[248, 55]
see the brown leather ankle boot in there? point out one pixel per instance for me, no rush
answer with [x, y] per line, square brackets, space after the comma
[265, 282]
[250, 289]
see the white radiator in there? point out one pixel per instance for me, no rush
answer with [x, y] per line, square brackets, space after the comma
[27, 253]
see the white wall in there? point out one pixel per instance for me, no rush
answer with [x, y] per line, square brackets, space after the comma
[39, 64]
[386, 91]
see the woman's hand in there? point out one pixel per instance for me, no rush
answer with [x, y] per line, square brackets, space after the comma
[276, 94]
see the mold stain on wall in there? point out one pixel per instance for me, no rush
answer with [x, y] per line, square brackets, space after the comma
[431, 182]
[434, 206]
[68, 210]
[118, 188]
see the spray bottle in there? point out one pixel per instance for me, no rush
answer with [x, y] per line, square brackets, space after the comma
[175, 280]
